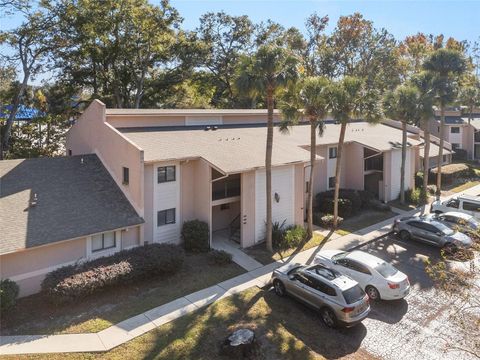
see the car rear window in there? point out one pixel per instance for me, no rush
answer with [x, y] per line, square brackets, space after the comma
[353, 294]
[474, 223]
[386, 270]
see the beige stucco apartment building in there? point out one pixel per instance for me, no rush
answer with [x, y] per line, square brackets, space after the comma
[459, 132]
[170, 166]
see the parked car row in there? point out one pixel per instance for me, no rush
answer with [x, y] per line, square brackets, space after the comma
[340, 284]
[449, 230]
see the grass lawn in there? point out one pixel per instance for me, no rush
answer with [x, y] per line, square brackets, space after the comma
[34, 315]
[262, 255]
[465, 186]
[363, 220]
[398, 205]
[284, 329]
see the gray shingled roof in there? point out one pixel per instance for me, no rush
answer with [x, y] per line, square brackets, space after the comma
[241, 148]
[73, 200]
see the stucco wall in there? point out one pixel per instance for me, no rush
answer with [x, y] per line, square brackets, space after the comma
[148, 203]
[248, 209]
[123, 121]
[29, 267]
[353, 165]
[221, 218]
[299, 194]
[91, 134]
[203, 192]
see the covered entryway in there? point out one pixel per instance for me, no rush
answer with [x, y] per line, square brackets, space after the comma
[226, 205]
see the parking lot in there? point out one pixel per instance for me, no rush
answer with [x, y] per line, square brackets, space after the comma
[413, 328]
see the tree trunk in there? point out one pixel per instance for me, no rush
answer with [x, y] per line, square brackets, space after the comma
[440, 152]
[426, 161]
[13, 113]
[338, 168]
[402, 166]
[268, 168]
[313, 146]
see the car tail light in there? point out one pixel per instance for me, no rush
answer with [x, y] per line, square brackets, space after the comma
[347, 310]
[393, 286]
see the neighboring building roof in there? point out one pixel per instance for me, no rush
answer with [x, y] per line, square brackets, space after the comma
[240, 148]
[434, 149]
[475, 122]
[23, 112]
[178, 112]
[73, 199]
[452, 120]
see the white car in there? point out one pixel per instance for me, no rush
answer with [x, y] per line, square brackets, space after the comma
[458, 220]
[380, 279]
[463, 203]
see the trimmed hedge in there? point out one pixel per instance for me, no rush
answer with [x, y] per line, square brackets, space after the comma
[8, 294]
[219, 257]
[196, 236]
[69, 283]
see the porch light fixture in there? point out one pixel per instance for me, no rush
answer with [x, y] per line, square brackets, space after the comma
[277, 197]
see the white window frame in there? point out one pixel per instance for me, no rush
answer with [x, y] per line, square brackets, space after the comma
[328, 183]
[105, 252]
[336, 152]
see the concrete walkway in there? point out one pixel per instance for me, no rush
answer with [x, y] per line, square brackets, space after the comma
[220, 241]
[118, 334]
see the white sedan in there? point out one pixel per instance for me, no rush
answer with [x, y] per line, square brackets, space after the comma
[380, 279]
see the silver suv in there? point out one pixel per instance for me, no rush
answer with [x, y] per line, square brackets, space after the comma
[339, 299]
[431, 231]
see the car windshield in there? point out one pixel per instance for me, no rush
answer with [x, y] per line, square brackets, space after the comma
[386, 270]
[443, 228]
[295, 270]
[339, 256]
[353, 294]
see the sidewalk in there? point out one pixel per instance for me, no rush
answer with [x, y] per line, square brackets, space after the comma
[128, 329]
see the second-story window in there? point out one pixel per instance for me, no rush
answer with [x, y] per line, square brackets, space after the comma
[332, 153]
[166, 174]
[455, 130]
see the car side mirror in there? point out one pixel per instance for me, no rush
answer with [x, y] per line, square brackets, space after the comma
[293, 277]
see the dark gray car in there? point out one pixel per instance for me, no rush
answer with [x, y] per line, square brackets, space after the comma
[338, 298]
[431, 231]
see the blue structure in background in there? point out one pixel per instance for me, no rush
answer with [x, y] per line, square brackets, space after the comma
[24, 113]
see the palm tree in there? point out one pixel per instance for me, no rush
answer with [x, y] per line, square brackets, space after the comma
[446, 66]
[266, 73]
[349, 99]
[402, 105]
[470, 98]
[423, 83]
[307, 99]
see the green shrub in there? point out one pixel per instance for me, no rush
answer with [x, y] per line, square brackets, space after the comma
[219, 257]
[419, 179]
[278, 230]
[325, 220]
[69, 283]
[413, 196]
[8, 294]
[293, 237]
[350, 202]
[196, 236]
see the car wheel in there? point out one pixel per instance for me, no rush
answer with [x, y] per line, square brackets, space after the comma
[372, 293]
[404, 235]
[279, 288]
[328, 317]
